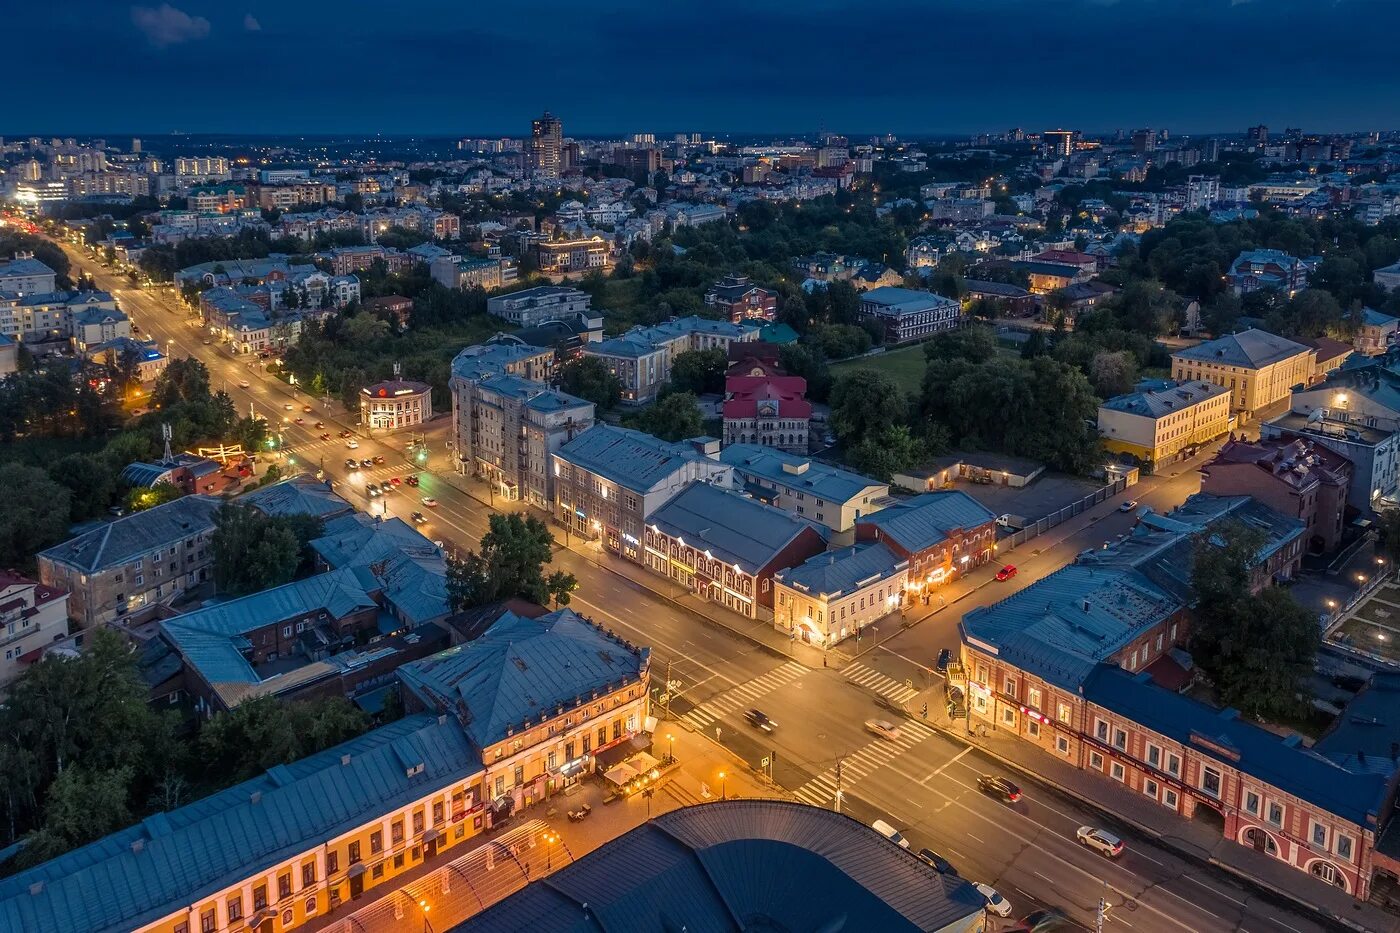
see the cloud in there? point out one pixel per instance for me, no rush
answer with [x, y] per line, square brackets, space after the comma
[250, 23]
[166, 25]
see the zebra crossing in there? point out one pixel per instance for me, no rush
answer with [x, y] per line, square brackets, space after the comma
[821, 790]
[717, 707]
[875, 682]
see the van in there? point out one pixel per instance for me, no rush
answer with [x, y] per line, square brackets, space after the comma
[890, 833]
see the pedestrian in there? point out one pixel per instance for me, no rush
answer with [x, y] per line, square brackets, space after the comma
[923, 711]
[823, 659]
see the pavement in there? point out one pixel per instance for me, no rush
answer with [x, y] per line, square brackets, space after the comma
[711, 665]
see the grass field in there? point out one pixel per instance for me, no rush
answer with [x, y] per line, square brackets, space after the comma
[905, 367]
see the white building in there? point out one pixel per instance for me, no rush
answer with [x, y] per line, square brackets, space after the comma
[32, 616]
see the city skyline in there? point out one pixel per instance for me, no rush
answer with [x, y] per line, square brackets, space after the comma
[1206, 66]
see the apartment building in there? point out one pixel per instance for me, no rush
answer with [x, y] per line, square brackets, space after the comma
[32, 616]
[1377, 333]
[942, 535]
[908, 314]
[547, 701]
[1165, 422]
[725, 547]
[347, 259]
[25, 275]
[834, 595]
[609, 480]
[134, 563]
[1258, 269]
[808, 489]
[641, 358]
[1260, 369]
[572, 256]
[534, 306]
[453, 271]
[1293, 476]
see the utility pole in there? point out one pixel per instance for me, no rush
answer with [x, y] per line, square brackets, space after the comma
[668, 689]
[837, 801]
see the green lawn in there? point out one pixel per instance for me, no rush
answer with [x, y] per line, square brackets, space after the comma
[905, 367]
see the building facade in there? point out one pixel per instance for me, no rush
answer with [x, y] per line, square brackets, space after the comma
[771, 411]
[1167, 422]
[832, 596]
[641, 358]
[1293, 476]
[907, 314]
[32, 617]
[941, 535]
[534, 306]
[398, 403]
[807, 489]
[1260, 369]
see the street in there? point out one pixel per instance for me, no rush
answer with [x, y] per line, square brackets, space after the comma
[923, 781]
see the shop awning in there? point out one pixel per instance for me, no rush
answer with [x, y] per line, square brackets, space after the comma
[623, 750]
[621, 774]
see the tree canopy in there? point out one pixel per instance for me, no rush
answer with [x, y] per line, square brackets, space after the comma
[510, 563]
[253, 552]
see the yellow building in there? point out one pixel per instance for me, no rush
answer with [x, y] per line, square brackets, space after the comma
[1160, 425]
[1260, 369]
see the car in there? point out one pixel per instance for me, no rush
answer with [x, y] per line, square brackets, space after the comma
[300, 421]
[344, 434]
[1042, 921]
[395, 480]
[883, 728]
[243, 383]
[378, 459]
[759, 720]
[367, 463]
[941, 864]
[430, 502]
[1006, 573]
[306, 409]
[945, 656]
[352, 444]
[419, 518]
[998, 787]
[1100, 840]
[289, 406]
[411, 480]
[372, 491]
[1128, 506]
[319, 424]
[352, 464]
[325, 437]
[890, 833]
[995, 902]
[206, 342]
[386, 486]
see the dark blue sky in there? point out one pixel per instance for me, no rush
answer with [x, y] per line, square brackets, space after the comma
[861, 66]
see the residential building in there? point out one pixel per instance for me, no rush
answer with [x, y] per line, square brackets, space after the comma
[1269, 268]
[150, 361]
[25, 275]
[834, 595]
[91, 327]
[609, 480]
[1377, 332]
[907, 314]
[403, 571]
[534, 306]
[1011, 298]
[343, 260]
[398, 403]
[283, 849]
[676, 864]
[807, 489]
[9, 355]
[543, 699]
[1329, 355]
[453, 271]
[772, 411]
[569, 256]
[1260, 369]
[1047, 277]
[134, 563]
[641, 358]
[739, 299]
[1161, 423]
[1202, 191]
[302, 494]
[56, 316]
[1292, 476]
[1387, 277]
[726, 547]
[32, 617]
[942, 535]
[544, 148]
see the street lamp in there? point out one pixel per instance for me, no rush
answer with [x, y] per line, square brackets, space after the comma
[671, 747]
[723, 786]
[428, 927]
[550, 838]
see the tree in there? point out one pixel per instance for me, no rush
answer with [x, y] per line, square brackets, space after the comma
[674, 417]
[253, 552]
[590, 379]
[1113, 373]
[142, 498]
[975, 344]
[887, 452]
[34, 513]
[864, 404]
[1257, 649]
[265, 731]
[699, 371]
[182, 380]
[91, 482]
[510, 563]
[809, 362]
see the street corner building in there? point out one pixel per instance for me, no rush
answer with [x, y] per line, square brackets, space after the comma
[742, 865]
[398, 403]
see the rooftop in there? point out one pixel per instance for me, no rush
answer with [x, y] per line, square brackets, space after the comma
[728, 526]
[740, 865]
[1174, 397]
[134, 535]
[892, 300]
[921, 522]
[300, 495]
[632, 459]
[1250, 349]
[844, 571]
[801, 473]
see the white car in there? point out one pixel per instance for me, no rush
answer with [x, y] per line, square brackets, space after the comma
[1128, 506]
[1100, 840]
[352, 444]
[890, 833]
[289, 406]
[883, 728]
[243, 383]
[995, 902]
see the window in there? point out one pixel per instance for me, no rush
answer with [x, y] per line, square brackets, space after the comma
[1154, 755]
[1033, 728]
[519, 774]
[1319, 835]
[308, 874]
[377, 871]
[235, 908]
[206, 921]
[1011, 686]
[260, 897]
[1096, 761]
[1150, 788]
[437, 811]
[1251, 803]
[376, 841]
[1118, 772]
[1120, 740]
[1173, 763]
[1100, 730]
[396, 832]
[286, 631]
[1033, 697]
[418, 819]
[1062, 745]
[1008, 715]
[1275, 813]
[1210, 781]
[398, 859]
[354, 852]
[332, 862]
[1170, 799]
[1344, 845]
[284, 885]
[1063, 714]
[310, 906]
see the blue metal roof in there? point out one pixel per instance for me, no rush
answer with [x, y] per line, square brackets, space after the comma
[300, 495]
[632, 459]
[731, 527]
[522, 669]
[923, 521]
[184, 855]
[837, 573]
[138, 534]
[799, 473]
[1283, 764]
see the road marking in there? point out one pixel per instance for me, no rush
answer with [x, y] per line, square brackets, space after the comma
[1190, 903]
[1195, 880]
[1046, 877]
[1285, 926]
[1137, 854]
[945, 764]
[974, 838]
[870, 679]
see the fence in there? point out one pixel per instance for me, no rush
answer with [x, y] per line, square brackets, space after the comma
[1041, 525]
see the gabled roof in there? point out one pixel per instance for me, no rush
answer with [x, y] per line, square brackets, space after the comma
[300, 495]
[521, 670]
[730, 527]
[172, 859]
[800, 473]
[1250, 349]
[844, 571]
[921, 522]
[632, 459]
[134, 535]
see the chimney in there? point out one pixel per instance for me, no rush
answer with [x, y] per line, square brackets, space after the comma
[137, 845]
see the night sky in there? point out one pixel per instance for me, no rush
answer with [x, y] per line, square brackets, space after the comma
[474, 67]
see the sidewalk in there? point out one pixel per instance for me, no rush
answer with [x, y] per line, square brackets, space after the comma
[1191, 840]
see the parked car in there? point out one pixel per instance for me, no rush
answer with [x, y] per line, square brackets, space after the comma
[941, 864]
[419, 518]
[1128, 506]
[1100, 840]
[995, 902]
[1006, 573]
[883, 728]
[998, 787]
[759, 720]
[890, 833]
[945, 656]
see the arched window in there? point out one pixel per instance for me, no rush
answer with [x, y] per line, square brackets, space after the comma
[1325, 871]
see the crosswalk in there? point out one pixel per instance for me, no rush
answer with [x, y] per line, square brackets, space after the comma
[717, 707]
[821, 790]
[875, 682]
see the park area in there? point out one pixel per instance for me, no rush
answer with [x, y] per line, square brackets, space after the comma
[905, 367]
[1373, 627]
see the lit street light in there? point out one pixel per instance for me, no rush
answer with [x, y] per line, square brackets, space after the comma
[428, 927]
[723, 786]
